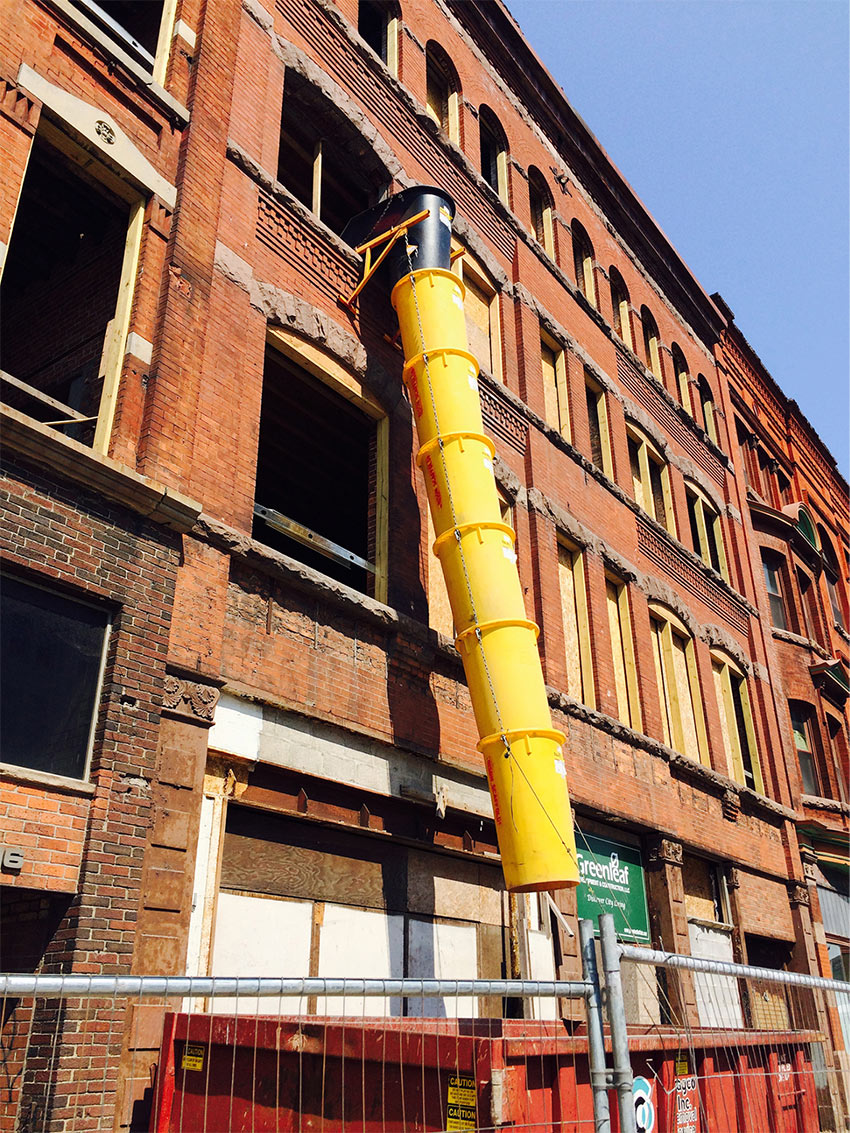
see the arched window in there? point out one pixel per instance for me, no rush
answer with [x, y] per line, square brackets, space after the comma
[682, 718]
[706, 529]
[736, 721]
[832, 575]
[683, 378]
[378, 23]
[442, 99]
[706, 401]
[622, 307]
[540, 204]
[324, 160]
[650, 479]
[494, 152]
[651, 343]
[583, 262]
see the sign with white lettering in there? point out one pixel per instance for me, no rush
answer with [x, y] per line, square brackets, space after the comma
[612, 882]
[686, 1097]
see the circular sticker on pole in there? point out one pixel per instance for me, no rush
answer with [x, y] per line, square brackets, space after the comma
[644, 1106]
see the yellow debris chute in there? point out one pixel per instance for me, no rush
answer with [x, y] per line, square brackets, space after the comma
[498, 644]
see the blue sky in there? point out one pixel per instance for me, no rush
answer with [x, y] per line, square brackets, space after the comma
[730, 120]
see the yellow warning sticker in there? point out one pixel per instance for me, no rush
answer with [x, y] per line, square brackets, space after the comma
[460, 1112]
[193, 1057]
[683, 1068]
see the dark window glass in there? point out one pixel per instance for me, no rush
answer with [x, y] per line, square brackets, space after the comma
[801, 725]
[595, 425]
[656, 483]
[773, 581]
[372, 24]
[51, 650]
[741, 726]
[136, 21]
[692, 519]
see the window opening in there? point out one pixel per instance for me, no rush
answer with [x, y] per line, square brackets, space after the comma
[650, 480]
[540, 204]
[316, 475]
[773, 567]
[651, 343]
[576, 624]
[324, 162]
[481, 311]
[61, 296]
[801, 726]
[706, 531]
[621, 307]
[831, 574]
[597, 419]
[678, 688]
[442, 100]
[809, 601]
[51, 667]
[736, 722]
[135, 24]
[683, 378]
[583, 262]
[377, 23]
[838, 749]
[556, 403]
[622, 648]
[493, 152]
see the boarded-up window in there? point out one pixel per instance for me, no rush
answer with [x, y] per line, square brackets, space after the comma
[678, 688]
[477, 307]
[622, 648]
[650, 479]
[736, 722]
[576, 629]
[555, 386]
[597, 421]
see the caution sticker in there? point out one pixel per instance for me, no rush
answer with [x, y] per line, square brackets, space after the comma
[460, 1111]
[193, 1057]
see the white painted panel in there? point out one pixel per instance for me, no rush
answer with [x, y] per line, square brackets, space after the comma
[237, 727]
[718, 1001]
[360, 944]
[443, 951]
[260, 936]
[199, 887]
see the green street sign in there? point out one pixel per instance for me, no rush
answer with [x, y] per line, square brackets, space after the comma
[612, 882]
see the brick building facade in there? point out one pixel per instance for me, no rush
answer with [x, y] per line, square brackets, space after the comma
[271, 745]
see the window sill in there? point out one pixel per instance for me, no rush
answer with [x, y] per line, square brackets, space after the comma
[157, 94]
[819, 802]
[791, 638]
[34, 441]
[29, 777]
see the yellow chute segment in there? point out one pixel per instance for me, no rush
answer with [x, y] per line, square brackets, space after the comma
[496, 641]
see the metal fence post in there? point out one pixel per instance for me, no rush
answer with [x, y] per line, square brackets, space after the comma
[599, 1079]
[616, 1007]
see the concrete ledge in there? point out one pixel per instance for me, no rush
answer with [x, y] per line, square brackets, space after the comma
[76, 462]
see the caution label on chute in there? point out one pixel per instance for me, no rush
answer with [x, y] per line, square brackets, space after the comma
[460, 1110]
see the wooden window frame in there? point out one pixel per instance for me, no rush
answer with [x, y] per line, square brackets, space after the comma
[683, 378]
[466, 267]
[709, 409]
[664, 624]
[623, 652]
[584, 261]
[725, 672]
[157, 64]
[488, 122]
[642, 489]
[538, 195]
[450, 123]
[651, 344]
[571, 559]
[807, 718]
[390, 35]
[621, 306]
[709, 527]
[332, 374]
[555, 393]
[597, 392]
[773, 570]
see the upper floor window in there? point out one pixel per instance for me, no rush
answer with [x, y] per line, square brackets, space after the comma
[442, 91]
[774, 569]
[709, 414]
[540, 204]
[494, 152]
[597, 420]
[576, 624]
[706, 530]
[52, 651]
[67, 291]
[651, 343]
[481, 310]
[623, 653]
[804, 743]
[736, 721]
[838, 749]
[682, 717]
[832, 575]
[555, 400]
[584, 262]
[377, 22]
[321, 467]
[324, 161]
[142, 28]
[749, 443]
[621, 306]
[683, 378]
[650, 479]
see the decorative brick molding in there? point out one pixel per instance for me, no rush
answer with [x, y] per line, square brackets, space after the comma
[733, 877]
[731, 805]
[665, 852]
[19, 106]
[190, 700]
[501, 417]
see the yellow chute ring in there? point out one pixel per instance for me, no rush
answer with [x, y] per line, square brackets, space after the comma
[522, 733]
[465, 528]
[447, 438]
[435, 353]
[499, 623]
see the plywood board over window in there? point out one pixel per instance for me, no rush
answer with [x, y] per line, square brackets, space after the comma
[622, 649]
[576, 625]
[481, 307]
[555, 398]
[678, 685]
